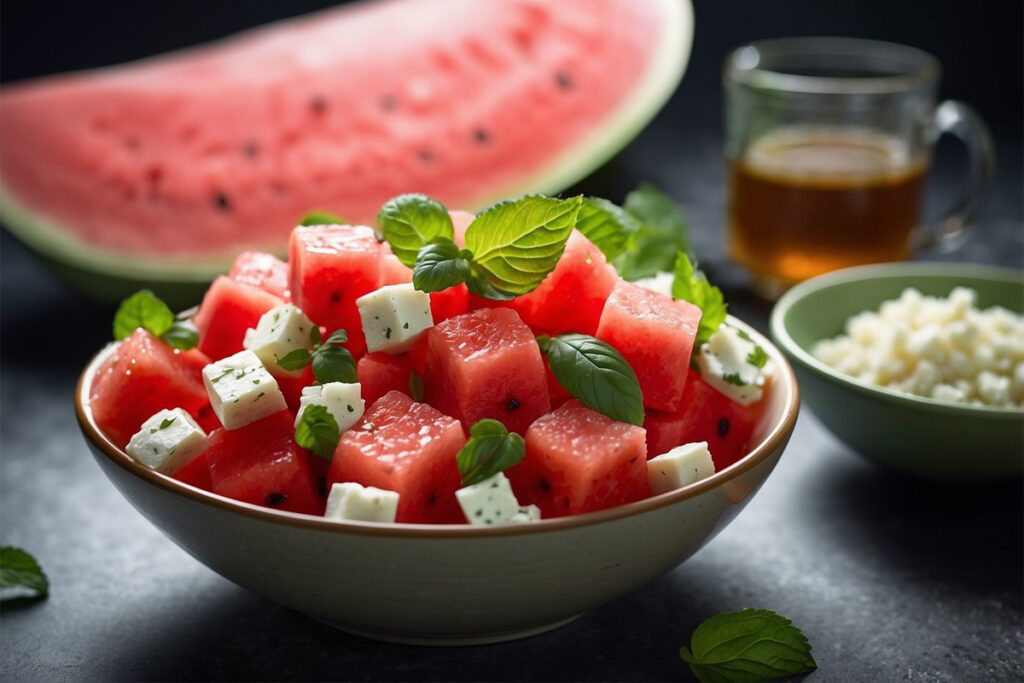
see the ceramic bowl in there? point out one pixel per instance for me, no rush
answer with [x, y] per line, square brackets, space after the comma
[455, 584]
[916, 435]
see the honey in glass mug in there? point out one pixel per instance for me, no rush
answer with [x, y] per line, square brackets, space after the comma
[804, 200]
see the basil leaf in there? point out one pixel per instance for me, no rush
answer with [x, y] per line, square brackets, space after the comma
[439, 265]
[336, 338]
[296, 359]
[21, 577]
[334, 364]
[608, 226]
[142, 309]
[693, 286]
[595, 373]
[182, 335]
[662, 234]
[317, 431]
[479, 284]
[314, 335]
[322, 218]
[411, 221]
[490, 449]
[748, 645]
[515, 244]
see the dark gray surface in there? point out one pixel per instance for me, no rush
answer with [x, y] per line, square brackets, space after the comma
[889, 579]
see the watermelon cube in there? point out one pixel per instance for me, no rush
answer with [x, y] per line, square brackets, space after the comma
[229, 308]
[577, 460]
[655, 334]
[261, 270]
[330, 266]
[196, 472]
[486, 364]
[261, 464]
[143, 376]
[409, 448]
[381, 372]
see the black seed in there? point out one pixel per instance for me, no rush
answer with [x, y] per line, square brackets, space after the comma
[251, 149]
[336, 297]
[426, 156]
[321, 486]
[220, 200]
[563, 79]
[275, 498]
[481, 136]
[723, 426]
[388, 103]
[544, 485]
[512, 404]
[432, 499]
[318, 104]
[632, 460]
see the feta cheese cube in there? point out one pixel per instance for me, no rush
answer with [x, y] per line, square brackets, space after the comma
[280, 330]
[343, 401]
[680, 467]
[724, 364]
[394, 317]
[361, 503]
[491, 502]
[530, 513]
[167, 441]
[241, 390]
[659, 282]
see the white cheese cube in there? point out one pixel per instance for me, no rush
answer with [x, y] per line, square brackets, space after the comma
[241, 390]
[342, 400]
[530, 513]
[394, 317]
[361, 503]
[167, 441]
[680, 467]
[491, 502]
[659, 282]
[725, 364]
[280, 330]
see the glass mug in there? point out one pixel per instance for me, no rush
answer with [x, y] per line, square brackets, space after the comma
[828, 141]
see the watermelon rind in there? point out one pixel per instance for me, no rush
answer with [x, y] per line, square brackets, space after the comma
[110, 275]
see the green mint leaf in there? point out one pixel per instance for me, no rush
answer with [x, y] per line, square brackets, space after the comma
[438, 266]
[734, 379]
[142, 309]
[693, 286]
[336, 338]
[165, 423]
[296, 359]
[411, 221]
[317, 431]
[21, 577]
[608, 226]
[416, 386]
[758, 357]
[334, 364]
[182, 335]
[596, 374]
[479, 284]
[322, 218]
[748, 645]
[489, 450]
[662, 233]
[515, 244]
[314, 336]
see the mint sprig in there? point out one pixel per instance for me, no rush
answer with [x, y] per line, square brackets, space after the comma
[662, 232]
[318, 431]
[490, 449]
[410, 221]
[748, 645]
[182, 335]
[690, 284]
[319, 217]
[596, 374]
[331, 361]
[608, 226]
[21, 577]
[439, 266]
[144, 309]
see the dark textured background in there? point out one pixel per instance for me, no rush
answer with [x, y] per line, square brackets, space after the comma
[889, 578]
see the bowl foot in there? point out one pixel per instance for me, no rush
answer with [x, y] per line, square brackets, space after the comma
[449, 640]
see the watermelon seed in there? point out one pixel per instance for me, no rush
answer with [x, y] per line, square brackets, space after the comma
[563, 79]
[512, 404]
[321, 486]
[275, 498]
[251, 149]
[481, 136]
[335, 297]
[220, 200]
[318, 104]
[426, 156]
[388, 103]
[723, 426]
[543, 483]
[432, 499]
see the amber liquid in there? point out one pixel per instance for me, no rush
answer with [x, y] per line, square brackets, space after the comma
[804, 201]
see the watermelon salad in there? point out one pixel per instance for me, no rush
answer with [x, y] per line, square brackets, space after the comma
[439, 368]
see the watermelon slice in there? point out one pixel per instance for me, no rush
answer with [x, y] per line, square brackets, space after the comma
[158, 171]
[407, 447]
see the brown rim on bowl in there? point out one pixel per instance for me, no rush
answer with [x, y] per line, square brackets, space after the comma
[780, 431]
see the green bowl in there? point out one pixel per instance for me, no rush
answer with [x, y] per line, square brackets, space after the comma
[912, 434]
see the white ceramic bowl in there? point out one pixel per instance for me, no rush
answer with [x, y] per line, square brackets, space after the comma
[455, 584]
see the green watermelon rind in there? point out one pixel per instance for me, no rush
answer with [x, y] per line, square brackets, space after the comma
[109, 275]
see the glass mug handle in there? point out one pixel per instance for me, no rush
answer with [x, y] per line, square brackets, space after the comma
[962, 121]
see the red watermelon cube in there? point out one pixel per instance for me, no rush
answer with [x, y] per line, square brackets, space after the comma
[229, 308]
[655, 334]
[143, 376]
[381, 372]
[486, 364]
[261, 464]
[265, 271]
[577, 460]
[330, 266]
[407, 447]
[196, 472]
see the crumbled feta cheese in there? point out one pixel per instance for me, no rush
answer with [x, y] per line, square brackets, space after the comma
[280, 330]
[167, 441]
[241, 390]
[491, 502]
[394, 317]
[680, 467]
[361, 503]
[342, 400]
[726, 364]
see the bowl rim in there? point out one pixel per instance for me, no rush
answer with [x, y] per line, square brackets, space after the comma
[883, 271]
[776, 438]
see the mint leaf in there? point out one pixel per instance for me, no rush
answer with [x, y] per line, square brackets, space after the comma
[595, 373]
[663, 232]
[515, 244]
[338, 337]
[142, 309]
[296, 359]
[757, 357]
[318, 217]
[748, 645]
[693, 286]
[21, 577]
[608, 226]
[439, 265]
[734, 379]
[167, 422]
[489, 450]
[411, 221]
[182, 335]
[334, 364]
[317, 431]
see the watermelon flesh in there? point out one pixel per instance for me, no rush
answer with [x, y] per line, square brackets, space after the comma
[230, 308]
[380, 373]
[263, 271]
